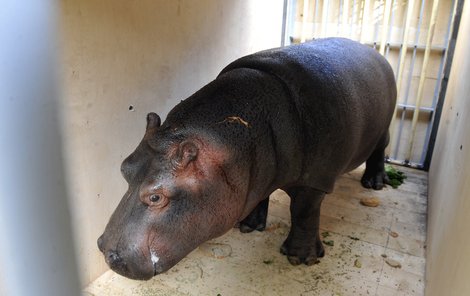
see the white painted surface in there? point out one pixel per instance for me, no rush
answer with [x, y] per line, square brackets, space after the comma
[36, 247]
[148, 55]
[448, 249]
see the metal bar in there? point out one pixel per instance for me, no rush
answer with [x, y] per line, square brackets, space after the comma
[36, 249]
[303, 31]
[401, 63]
[435, 48]
[386, 19]
[365, 19]
[324, 19]
[427, 52]
[412, 108]
[442, 93]
[403, 163]
[410, 75]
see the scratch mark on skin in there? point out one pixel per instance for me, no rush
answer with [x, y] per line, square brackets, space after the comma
[236, 119]
[232, 187]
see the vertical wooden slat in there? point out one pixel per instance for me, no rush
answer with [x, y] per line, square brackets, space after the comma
[365, 20]
[303, 34]
[427, 52]
[324, 18]
[409, 14]
[353, 20]
[410, 76]
[390, 27]
[315, 17]
[345, 17]
[386, 19]
[340, 15]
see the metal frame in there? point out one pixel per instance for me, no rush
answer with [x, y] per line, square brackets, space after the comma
[354, 26]
[438, 86]
[443, 88]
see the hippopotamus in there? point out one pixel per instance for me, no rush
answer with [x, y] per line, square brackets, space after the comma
[292, 118]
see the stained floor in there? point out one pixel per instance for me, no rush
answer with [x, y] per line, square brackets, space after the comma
[369, 251]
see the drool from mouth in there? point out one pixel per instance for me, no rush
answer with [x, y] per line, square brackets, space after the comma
[155, 259]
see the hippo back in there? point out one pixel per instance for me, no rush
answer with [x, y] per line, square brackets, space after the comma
[344, 94]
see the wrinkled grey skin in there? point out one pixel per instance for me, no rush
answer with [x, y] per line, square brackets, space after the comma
[293, 118]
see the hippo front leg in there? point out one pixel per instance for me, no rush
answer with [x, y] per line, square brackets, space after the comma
[256, 220]
[303, 244]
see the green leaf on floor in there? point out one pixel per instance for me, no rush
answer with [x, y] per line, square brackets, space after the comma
[396, 177]
[329, 243]
[269, 261]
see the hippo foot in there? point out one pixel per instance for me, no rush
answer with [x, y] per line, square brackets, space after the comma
[298, 253]
[247, 228]
[374, 175]
[256, 220]
[376, 181]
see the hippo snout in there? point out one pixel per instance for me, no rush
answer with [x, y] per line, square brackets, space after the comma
[128, 262]
[112, 257]
[100, 244]
[115, 261]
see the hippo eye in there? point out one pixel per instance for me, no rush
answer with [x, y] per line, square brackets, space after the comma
[154, 198]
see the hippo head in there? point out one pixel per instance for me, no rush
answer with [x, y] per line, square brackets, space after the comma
[183, 190]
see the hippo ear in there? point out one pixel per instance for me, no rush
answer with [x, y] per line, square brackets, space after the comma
[186, 153]
[153, 121]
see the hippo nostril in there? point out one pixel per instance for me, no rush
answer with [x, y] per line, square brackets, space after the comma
[113, 258]
[100, 243]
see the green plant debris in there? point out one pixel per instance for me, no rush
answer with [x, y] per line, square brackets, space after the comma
[357, 263]
[329, 243]
[325, 234]
[269, 261]
[353, 238]
[395, 177]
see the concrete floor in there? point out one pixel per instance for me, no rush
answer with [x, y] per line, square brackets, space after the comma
[364, 243]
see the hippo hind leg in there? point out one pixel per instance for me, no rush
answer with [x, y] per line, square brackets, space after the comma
[256, 220]
[303, 244]
[374, 175]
